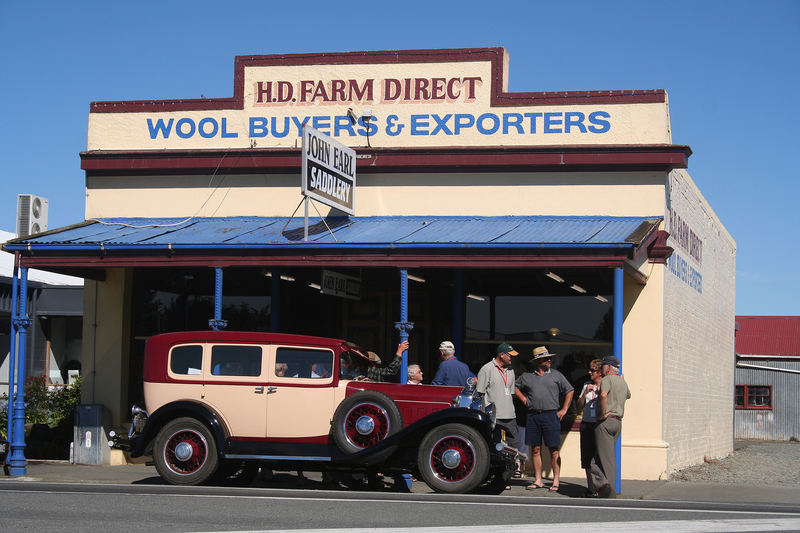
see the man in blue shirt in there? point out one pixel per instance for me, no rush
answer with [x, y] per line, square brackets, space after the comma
[451, 370]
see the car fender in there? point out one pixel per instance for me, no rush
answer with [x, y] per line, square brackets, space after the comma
[143, 443]
[479, 420]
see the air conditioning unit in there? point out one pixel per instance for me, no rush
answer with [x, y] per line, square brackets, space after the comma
[31, 214]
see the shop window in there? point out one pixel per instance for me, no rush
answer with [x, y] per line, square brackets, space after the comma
[753, 397]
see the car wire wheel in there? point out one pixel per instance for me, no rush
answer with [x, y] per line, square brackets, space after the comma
[452, 459]
[366, 424]
[186, 451]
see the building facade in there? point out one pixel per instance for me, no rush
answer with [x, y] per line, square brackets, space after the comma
[566, 219]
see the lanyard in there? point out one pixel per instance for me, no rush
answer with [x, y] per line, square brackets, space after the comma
[504, 375]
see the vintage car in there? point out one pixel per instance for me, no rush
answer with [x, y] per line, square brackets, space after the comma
[221, 404]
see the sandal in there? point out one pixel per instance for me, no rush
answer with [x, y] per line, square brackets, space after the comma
[534, 486]
[553, 488]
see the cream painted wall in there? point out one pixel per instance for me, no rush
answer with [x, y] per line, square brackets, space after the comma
[481, 194]
[106, 334]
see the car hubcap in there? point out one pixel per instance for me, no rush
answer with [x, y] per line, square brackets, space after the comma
[183, 451]
[452, 459]
[366, 425]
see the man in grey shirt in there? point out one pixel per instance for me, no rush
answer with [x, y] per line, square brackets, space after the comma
[540, 391]
[496, 384]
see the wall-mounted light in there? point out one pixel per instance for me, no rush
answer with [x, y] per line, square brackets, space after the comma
[268, 274]
[416, 278]
[554, 276]
[598, 297]
[578, 288]
[476, 297]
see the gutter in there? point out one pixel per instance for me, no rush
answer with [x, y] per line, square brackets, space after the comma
[776, 369]
[169, 247]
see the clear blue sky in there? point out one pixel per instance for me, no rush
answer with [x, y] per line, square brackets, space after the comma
[730, 68]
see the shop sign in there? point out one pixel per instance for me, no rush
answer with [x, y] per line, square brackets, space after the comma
[441, 102]
[341, 285]
[329, 171]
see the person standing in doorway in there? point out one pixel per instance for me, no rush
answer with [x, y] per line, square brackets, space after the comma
[614, 392]
[540, 391]
[588, 402]
[451, 371]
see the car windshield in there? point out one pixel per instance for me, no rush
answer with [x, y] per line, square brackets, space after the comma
[352, 365]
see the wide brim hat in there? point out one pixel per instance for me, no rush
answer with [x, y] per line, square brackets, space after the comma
[541, 352]
[374, 357]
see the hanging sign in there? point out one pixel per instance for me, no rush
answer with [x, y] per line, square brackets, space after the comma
[329, 171]
[341, 285]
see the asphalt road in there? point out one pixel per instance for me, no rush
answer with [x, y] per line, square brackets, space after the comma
[57, 507]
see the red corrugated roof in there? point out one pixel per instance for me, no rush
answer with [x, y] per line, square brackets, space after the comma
[768, 335]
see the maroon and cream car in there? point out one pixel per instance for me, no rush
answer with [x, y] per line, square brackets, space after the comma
[224, 403]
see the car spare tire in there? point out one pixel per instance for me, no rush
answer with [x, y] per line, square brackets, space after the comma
[364, 419]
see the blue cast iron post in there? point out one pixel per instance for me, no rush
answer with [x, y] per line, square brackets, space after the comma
[217, 323]
[17, 463]
[12, 351]
[275, 301]
[404, 326]
[403, 482]
[619, 293]
[458, 311]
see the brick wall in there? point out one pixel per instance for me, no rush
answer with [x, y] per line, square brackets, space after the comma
[699, 320]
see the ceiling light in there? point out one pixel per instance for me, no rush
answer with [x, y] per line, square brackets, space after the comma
[314, 286]
[598, 297]
[287, 278]
[476, 297]
[554, 276]
[578, 288]
[415, 278]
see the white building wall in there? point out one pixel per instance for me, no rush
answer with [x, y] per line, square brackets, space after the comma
[699, 321]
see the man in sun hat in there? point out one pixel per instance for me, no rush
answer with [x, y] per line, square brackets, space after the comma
[540, 391]
[610, 410]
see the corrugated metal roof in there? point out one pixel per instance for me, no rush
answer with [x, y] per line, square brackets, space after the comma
[412, 231]
[768, 335]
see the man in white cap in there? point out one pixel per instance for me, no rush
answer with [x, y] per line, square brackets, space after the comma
[540, 391]
[451, 371]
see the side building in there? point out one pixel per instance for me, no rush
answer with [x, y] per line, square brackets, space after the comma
[767, 394]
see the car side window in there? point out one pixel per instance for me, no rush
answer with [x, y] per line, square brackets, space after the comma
[232, 360]
[303, 363]
[187, 360]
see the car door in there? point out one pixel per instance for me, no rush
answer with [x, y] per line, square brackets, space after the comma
[234, 386]
[300, 399]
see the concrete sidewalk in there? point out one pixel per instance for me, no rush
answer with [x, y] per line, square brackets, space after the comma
[63, 472]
